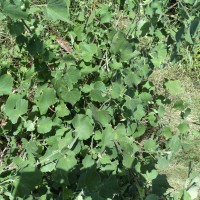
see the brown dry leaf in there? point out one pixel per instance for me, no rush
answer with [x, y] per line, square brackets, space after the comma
[3, 122]
[63, 44]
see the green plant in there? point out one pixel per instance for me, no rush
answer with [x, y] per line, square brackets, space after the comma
[84, 123]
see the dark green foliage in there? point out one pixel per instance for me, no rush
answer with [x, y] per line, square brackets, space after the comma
[85, 124]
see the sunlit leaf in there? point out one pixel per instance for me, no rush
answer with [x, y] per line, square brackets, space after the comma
[15, 107]
[83, 126]
[57, 10]
[47, 98]
[6, 84]
[174, 87]
[44, 125]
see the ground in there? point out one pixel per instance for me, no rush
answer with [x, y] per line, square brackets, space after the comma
[177, 171]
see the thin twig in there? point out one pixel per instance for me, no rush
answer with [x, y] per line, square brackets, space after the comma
[26, 26]
[73, 142]
[118, 147]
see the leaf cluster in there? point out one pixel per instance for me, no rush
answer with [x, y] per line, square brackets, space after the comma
[86, 123]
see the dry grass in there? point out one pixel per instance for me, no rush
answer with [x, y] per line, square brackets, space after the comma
[177, 172]
[190, 97]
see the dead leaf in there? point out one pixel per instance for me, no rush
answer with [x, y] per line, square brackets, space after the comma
[63, 44]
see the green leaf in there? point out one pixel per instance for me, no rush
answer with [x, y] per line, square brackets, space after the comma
[57, 10]
[97, 95]
[29, 125]
[44, 125]
[48, 167]
[188, 37]
[145, 97]
[87, 69]
[105, 15]
[149, 176]
[67, 163]
[186, 195]
[139, 26]
[15, 107]
[149, 11]
[116, 90]
[163, 163]
[62, 110]
[132, 79]
[159, 54]
[152, 119]
[90, 180]
[150, 145]
[186, 112]
[35, 46]
[116, 65]
[193, 187]
[144, 70]
[83, 126]
[121, 46]
[132, 103]
[72, 96]
[174, 87]
[131, 129]
[99, 85]
[6, 84]
[119, 43]
[183, 127]
[107, 137]
[13, 9]
[175, 143]
[29, 178]
[88, 161]
[86, 88]
[16, 28]
[166, 132]
[152, 197]
[128, 160]
[179, 105]
[139, 113]
[2, 16]
[87, 51]
[180, 34]
[140, 131]
[194, 26]
[129, 79]
[72, 76]
[105, 160]
[127, 53]
[32, 147]
[189, 1]
[47, 99]
[101, 116]
[109, 187]
[157, 7]
[160, 185]
[91, 17]
[97, 135]
[48, 159]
